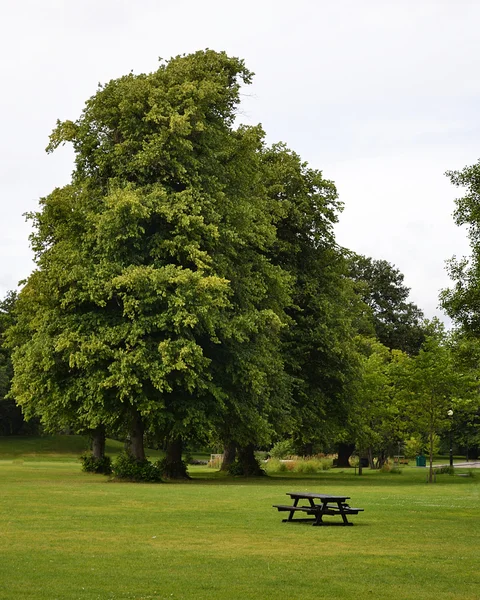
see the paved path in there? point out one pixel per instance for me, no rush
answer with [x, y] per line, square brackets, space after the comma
[472, 464]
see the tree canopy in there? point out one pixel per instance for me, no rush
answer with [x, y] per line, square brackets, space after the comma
[154, 256]
[397, 323]
[188, 283]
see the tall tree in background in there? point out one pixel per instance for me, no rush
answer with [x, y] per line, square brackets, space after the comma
[318, 344]
[397, 323]
[136, 286]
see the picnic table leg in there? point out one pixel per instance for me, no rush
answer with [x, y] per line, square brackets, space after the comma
[344, 516]
[292, 512]
[319, 515]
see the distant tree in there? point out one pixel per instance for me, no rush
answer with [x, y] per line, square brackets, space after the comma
[397, 323]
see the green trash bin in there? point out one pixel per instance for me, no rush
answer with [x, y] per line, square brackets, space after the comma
[421, 461]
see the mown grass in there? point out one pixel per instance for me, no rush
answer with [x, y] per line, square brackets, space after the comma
[68, 535]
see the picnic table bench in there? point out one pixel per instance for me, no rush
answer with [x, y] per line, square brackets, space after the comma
[319, 505]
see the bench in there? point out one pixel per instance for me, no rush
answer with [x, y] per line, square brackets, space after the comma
[326, 510]
[328, 506]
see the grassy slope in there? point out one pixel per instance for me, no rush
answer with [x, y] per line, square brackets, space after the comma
[63, 447]
[68, 535]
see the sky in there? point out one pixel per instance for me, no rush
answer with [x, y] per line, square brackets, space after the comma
[381, 95]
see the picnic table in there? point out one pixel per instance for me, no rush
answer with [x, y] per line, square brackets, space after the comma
[319, 505]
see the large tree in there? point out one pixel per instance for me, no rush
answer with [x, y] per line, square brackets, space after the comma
[153, 262]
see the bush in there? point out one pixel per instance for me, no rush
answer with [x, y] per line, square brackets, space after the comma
[307, 466]
[173, 469]
[298, 465]
[90, 464]
[239, 469]
[393, 469]
[127, 467]
[282, 449]
[413, 447]
[274, 465]
[444, 470]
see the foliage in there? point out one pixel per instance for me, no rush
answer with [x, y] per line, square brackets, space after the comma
[276, 465]
[311, 465]
[461, 302]
[129, 468]
[394, 470]
[11, 418]
[298, 464]
[282, 449]
[444, 470]
[429, 385]
[318, 351]
[173, 469]
[240, 469]
[413, 447]
[155, 305]
[397, 324]
[376, 414]
[90, 464]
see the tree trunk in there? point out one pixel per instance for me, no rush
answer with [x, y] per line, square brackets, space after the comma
[98, 443]
[248, 463]
[474, 452]
[307, 449]
[173, 465]
[136, 448]
[229, 455]
[430, 470]
[371, 462]
[345, 451]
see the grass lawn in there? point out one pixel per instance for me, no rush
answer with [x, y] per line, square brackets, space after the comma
[67, 535]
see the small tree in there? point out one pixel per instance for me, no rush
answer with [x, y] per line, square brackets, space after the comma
[376, 419]
[429, 385]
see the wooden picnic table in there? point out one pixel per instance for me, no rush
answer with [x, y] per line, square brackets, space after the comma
[319, 505]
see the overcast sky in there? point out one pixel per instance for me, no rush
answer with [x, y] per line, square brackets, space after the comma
[382, 95]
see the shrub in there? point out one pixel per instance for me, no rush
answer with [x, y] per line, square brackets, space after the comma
[127, 467]
[90, 464]
[298, 465]
[393, 469]
[444, 470]
[215, 461]
[282, 449]
[413, 447]
[239, 469]
[274, 465]
[173, 470]
[307, 466]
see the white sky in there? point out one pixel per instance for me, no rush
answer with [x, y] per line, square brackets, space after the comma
[381, 95]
